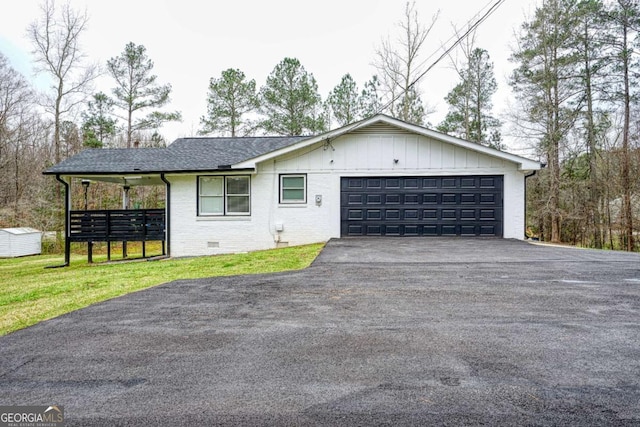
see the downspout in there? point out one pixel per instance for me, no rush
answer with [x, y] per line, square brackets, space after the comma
[67, 226]
[167, 213]
[525, 202]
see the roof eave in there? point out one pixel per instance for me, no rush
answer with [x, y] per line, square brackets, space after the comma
[171, 172]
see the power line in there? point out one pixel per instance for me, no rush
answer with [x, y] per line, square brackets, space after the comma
[455, 34]
[471, 28]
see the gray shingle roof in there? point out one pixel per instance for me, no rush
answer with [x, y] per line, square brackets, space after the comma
[183, 155]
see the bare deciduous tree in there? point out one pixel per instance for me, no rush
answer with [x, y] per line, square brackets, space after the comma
[399, 67]
[57, 52]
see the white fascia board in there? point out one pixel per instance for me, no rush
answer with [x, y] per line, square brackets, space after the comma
[524, 164]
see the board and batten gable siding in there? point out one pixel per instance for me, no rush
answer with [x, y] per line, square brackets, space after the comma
[373, 151]
[363, 152]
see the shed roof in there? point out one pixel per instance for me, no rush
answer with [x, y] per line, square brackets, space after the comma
[19, 230]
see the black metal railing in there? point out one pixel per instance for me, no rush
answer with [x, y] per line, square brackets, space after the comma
[138, 225]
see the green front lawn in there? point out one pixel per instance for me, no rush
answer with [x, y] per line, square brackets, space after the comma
[30, 293]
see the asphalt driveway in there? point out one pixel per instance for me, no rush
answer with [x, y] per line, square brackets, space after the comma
[376, 332]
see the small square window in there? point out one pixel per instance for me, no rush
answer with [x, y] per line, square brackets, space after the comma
[224, 195]
[293, 189]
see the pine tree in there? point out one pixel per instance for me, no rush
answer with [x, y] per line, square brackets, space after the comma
[98, 122]
[137, 89]
[469, 115]
[545, 81]
[231, 97]
[370, 102]
[290, 101]
[623, 22]
[344, 101]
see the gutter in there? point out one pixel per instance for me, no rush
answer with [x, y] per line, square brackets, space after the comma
[525, 201]
[167, 213]
[150, 172]
[67, 226]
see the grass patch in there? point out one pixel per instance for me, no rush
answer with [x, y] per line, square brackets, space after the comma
[29, 293]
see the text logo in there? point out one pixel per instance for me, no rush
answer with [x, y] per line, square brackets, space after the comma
[32, 416]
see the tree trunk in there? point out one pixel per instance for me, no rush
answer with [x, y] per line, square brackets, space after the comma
[593, 212]
[627, 212]
[554, 151]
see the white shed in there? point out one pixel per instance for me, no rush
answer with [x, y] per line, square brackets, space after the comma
[15, 242]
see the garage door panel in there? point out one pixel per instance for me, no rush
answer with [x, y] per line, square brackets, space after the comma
[411, 183]
[422, 206]
[430, 214]
[429, 183]
[488, 230]
[392, 214]
[355, 214]
[411, 199]
[410, 214]
[469, 199]
[392, 230]
[430, 199]
[468, 182]
[488, 182]
[449, 198]
[374, 199]
[373, 214]
[468, 214]
[352, 183]
[374, 230]
[449, 182]
[392, 183]
[392, 199]
[449, 230]
[412, 230]
[488, 198]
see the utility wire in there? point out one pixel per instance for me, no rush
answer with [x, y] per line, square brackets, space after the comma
[471, 28]
[455, 34]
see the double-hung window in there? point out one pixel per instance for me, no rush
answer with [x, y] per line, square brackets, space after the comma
[293, 188]
[224, 195]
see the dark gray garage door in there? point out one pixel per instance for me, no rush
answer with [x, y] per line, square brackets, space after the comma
[422, 206]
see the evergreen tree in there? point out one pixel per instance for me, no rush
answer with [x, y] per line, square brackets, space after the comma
[98, 123]
[590, 45]
[229, 100]
[414, 110]
[370, 102]
[623, 21]
[137, 89]
[546, 84]
[469, 115]
[344, 101]
[290, 101]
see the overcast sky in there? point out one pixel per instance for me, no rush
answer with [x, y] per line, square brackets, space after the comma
[193, 40]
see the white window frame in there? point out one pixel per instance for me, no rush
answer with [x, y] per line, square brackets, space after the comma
[304, 189]
[225, 196]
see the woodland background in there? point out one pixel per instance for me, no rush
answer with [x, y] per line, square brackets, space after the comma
[574, 83]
